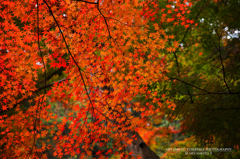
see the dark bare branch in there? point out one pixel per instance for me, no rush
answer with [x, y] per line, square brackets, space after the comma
[98, 8]
[223, 69]
[178, 112]
[207, 92]
[59, 71]
[86, 1]
[49, 85]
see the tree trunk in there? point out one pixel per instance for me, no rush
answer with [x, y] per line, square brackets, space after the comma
[140, 148]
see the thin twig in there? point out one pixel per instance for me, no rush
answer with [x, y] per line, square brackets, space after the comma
[86, 1]
[207, 92]
[178, 112]
[224, 109]
[223, 69]
[59, 71]
[105, 20]
[190, 85]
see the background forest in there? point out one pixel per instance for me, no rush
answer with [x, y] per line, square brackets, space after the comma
[185, 57]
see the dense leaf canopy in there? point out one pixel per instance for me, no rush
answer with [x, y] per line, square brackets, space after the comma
[101, 78]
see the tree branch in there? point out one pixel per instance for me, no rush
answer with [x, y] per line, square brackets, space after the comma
[178, 112]
[207, 92]
[98, 8]
[224, 109]
[59, 71]
[39, 89]
[190, 84]
[220, 54]
[79, 69]
[86, 1]
[49, 85]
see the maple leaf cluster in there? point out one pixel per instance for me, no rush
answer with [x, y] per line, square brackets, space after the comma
[96, 44]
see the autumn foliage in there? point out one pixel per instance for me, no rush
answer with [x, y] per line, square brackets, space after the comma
[107, 57]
